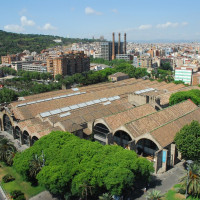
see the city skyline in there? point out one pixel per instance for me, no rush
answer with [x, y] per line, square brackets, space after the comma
[143, 20]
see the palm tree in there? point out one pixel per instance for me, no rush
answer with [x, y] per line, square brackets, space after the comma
[7, 150]
[9, 157]
[154, 195]
[106, 196]
[193, 186]
[86, 189]
[35, 166]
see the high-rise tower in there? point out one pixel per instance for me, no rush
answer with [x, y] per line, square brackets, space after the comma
[119, 43]
[124, 43]
[113, 46]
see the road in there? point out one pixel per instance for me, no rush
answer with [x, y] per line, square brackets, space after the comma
[164, 182]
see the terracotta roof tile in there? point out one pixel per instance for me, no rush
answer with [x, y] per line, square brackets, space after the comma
[116, 120]
[157, 119]
[165, 134]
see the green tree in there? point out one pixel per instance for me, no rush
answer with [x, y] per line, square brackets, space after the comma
[177, 97]
[192, 180]
[102, 168]
[188, 141]
[7, 95]
[35, 166]
[154, 195]
[166, 66]
[58, 77]
[7, 151]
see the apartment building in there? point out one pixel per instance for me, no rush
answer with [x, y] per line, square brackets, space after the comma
[144, 62]
[9, 58]
[184, 74]
[126, 57]
[68, 64]
[34, 67]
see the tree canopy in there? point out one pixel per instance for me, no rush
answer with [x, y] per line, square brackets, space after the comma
[25, 83]
[166, 66]
[12, 43]
[78, 166]
[177, 97]
[188, 141]
[7, 95]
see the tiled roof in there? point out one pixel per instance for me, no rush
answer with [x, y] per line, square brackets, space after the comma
[118, 74]
[164, 135]
[30, 111]
[164, 98]
[116, 120]
[153, 121]
[119, 111]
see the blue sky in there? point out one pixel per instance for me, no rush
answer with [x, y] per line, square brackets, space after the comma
[140, 19]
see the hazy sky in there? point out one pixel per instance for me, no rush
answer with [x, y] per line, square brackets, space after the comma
[140, 19]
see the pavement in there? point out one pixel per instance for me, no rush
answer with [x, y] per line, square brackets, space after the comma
[43, 196]
[15, 142]
[2, 194]
[163, 182]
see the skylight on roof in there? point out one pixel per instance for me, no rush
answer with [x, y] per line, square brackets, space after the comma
[54, 112]
[65, 109]
[111, 99]
[107, 103]
[56, 97]
[49, 99]
[63, 96]
[38, 101]
[75, 89]
[96, 101]
[145, 90]
[82, 105]
[103, 99]
[77, 93]
[116, 97]
[20, 105]
[65, 114]
[90, 103]
[45, 114]
[74, 107]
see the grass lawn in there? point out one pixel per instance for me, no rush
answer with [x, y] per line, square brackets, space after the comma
[173, 195]
[18, 183]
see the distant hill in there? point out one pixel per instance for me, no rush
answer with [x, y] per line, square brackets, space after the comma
[11, 43]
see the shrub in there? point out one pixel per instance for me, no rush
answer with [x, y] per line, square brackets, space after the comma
[21, 197]
[8, 178]
[16, 194]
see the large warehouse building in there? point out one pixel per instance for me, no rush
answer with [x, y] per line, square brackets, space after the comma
[132, 113]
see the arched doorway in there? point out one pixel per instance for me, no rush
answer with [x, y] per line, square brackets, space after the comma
[100, 132]
[26, 138]
[122, 138]
[34, 139]
[7, 124]
[146, 147]
[17, 133]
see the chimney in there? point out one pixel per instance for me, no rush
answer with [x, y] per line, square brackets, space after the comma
[113, 46]
[119, 44]
[124, 43]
